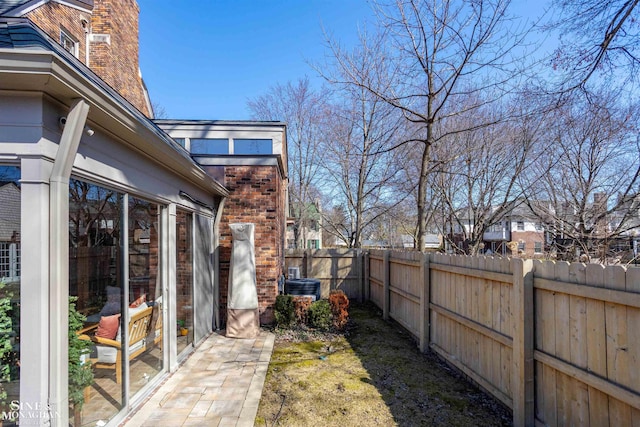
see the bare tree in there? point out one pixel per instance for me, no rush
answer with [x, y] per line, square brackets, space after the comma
[428, 55]
[303, 109]
[360, 165]
[480, 178]
[589, 198]
[597, 37]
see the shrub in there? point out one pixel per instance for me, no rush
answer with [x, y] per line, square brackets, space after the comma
[339, 305]
[284, 310]
[302, 305]
[80, 372]
[320, 315]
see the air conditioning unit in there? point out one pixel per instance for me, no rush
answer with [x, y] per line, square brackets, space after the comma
[293, 272]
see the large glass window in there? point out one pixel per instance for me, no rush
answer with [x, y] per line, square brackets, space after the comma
[209, 146]
[97, 277]
[145, 293]
[96, 280]
[10, 267]
[184, 279]
[252, 146]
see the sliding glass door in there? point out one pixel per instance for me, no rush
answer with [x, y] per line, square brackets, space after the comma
[184, 280]
[114, 252]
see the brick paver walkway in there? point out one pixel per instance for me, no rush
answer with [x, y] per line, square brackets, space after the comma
[218, 386]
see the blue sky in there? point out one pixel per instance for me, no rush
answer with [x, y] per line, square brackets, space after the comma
[204, 59]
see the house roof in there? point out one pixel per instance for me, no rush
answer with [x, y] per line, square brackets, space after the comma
[19, 7]
[22, 36]
[218, 122]
[6, 6]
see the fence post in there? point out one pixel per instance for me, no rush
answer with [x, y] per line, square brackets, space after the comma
[523, 319]
[425, 300]
[359, 267]
[367, 276]
[424, 303]
[387, 285]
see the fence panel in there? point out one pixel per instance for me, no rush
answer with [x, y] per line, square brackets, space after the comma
[335, 268]
[471, 317]
[587, 353]
[404, 289]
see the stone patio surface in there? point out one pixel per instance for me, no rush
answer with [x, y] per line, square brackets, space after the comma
[219, 385]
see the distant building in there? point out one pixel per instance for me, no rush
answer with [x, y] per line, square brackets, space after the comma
[304, 226]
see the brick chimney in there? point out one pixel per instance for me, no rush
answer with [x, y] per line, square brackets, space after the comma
[114, 49]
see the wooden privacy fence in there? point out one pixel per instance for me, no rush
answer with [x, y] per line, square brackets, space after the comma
[558, 343]
[336, 269]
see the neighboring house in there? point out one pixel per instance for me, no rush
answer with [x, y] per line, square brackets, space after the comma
[304, 227]
[9, 231]
[518, 232]
[109, 208]
[432, 241]
[627, 220]
[602, 229]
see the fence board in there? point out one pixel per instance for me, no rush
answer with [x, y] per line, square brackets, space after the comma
[546, 341]
[596, 348]
[633, 319]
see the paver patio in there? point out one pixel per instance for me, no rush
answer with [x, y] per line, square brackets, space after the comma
[220, 384]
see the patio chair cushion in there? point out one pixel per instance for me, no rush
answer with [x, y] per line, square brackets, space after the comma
[107, 354]
[108, 326]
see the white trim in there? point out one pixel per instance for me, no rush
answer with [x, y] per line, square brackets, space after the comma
[34, 231]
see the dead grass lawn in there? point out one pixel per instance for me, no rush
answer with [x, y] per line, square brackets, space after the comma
[373, 375]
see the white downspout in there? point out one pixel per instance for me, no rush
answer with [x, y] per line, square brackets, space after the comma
[216, 264]
[59, 262]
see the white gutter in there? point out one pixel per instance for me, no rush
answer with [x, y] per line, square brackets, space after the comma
[59, 262]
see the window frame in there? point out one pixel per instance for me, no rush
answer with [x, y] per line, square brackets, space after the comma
[537, 247]
[65, 35]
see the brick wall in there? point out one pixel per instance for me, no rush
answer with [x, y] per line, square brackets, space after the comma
[529, 238]
[117, 62]
[51, 16]
[184, 265]
[257, 196]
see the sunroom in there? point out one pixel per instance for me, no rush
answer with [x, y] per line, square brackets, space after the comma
[99, 204]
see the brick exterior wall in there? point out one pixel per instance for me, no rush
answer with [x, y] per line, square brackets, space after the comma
[184, 265]
[529, 238]
[257, 196]
[50, 17]
[117, 62]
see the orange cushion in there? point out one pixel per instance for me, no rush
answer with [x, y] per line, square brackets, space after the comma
[142, 298]
[108, 326]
